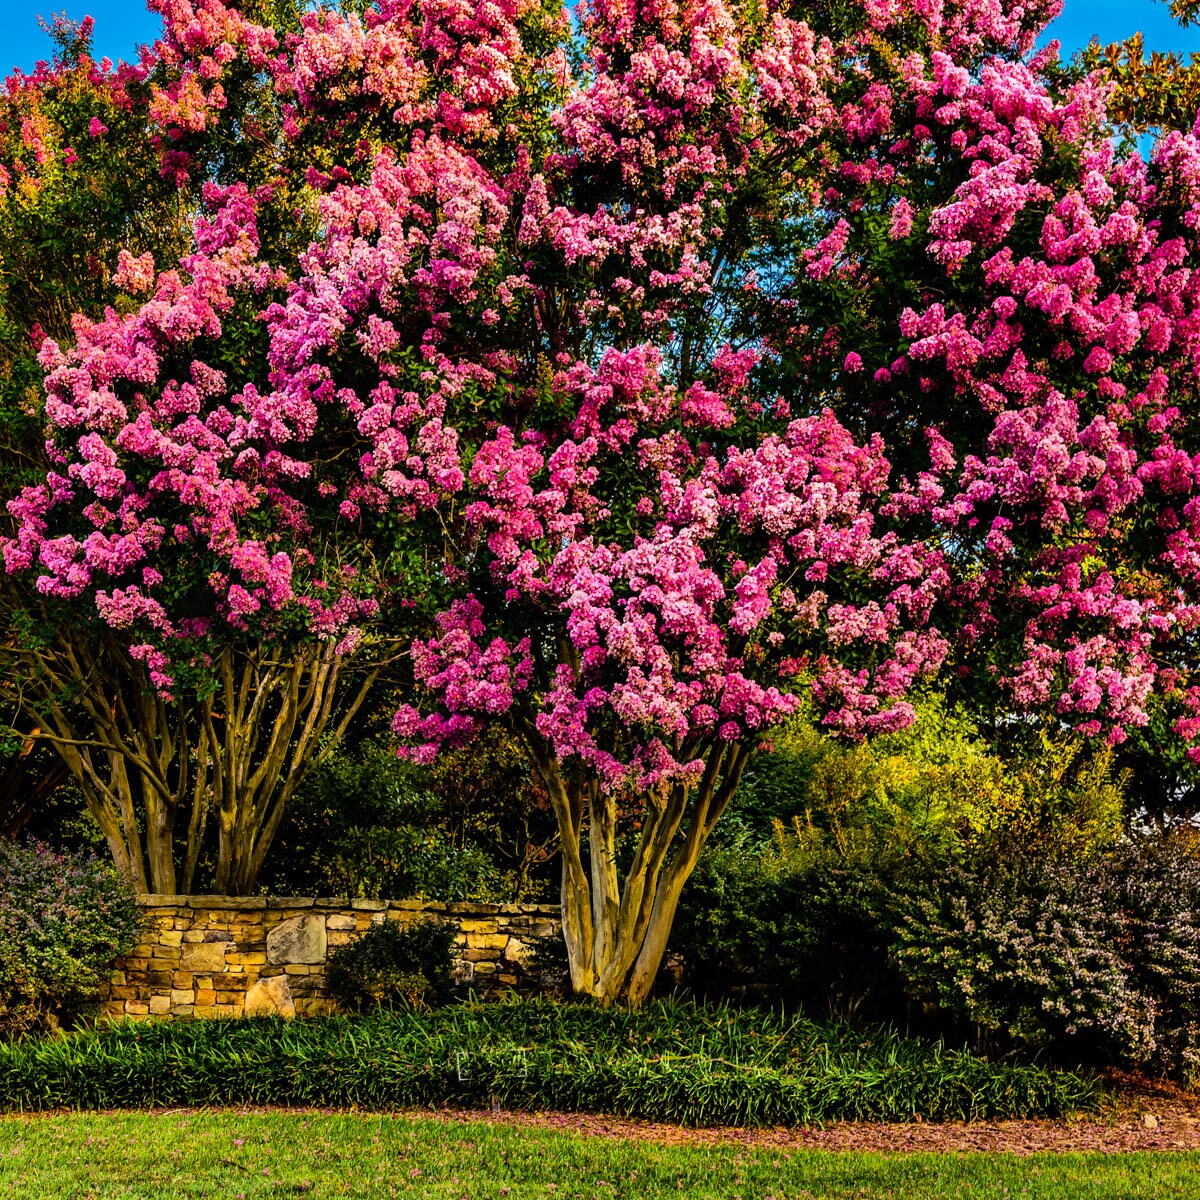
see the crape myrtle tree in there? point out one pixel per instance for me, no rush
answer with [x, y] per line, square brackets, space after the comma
[676, 365]
[102, 171]
[79, 181]
[981, 246]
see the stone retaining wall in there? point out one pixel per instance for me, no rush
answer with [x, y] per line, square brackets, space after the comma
[227, 956]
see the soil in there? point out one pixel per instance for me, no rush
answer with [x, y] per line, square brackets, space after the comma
[1138, 1115]
[1145, 1117]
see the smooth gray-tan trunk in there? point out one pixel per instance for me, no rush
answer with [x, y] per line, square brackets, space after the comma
[157, 775]
[616, 924]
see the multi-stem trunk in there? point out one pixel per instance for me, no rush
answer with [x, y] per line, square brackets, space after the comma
[616, 924]
[156, 773]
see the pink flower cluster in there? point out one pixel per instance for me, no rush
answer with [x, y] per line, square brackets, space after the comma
[508, 354]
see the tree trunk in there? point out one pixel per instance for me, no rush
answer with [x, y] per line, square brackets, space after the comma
[27, 781]
[154, 771]
[616, 929]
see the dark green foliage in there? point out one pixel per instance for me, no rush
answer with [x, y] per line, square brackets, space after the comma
[405, 863]
[673, 1062]
[370, 824]
[1084, 956]
[63, 920]
[814, 935]
[390, 964]
[1095, 959]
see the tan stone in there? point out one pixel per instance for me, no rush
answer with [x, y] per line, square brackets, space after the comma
[170, 937]
[340, 922]
[478, 926]
[204, 956]
[487, 941]
[270, 997]
[182, 1010]
[183, 979]
[182, 996]
[517, 951]
[300, 939]
[228, 902]
[160, 1005]
[136, 1008]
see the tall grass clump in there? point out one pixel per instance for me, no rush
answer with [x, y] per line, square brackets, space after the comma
[679, 1062]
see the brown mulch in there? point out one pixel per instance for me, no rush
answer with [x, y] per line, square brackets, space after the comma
[1135, 1122]
[1141, 1115]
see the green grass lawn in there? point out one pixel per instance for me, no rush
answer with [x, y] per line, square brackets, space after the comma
[231, 1156]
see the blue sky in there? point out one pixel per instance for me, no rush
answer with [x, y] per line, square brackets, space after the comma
[122, 24]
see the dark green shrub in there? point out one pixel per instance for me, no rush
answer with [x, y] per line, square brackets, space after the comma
[1093, 958]
[390, 964]
[1024, 953]
[815, 935]
[1155, 884]
[1077, 954]
[471, 826]
[694, 1064]
[63, 920]
[405, 863]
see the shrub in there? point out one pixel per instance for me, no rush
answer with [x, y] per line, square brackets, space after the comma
[805, 909]
[1024, 953]
[472, 826]
[694, 1064]
[1079, 954]
[1094, 959]
[390, 964]
[815, 934]
[416, 864]
[63, 920]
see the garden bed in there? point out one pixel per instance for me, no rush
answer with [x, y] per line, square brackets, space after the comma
[683, 1063]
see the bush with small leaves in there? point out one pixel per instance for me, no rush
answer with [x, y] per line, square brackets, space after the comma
[63, 920]
[392, 965]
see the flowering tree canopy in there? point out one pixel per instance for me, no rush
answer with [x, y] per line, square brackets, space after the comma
[680, 362]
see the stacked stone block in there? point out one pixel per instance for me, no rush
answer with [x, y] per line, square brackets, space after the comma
[226, 956]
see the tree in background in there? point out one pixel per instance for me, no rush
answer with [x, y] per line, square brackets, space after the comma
[103, 171]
